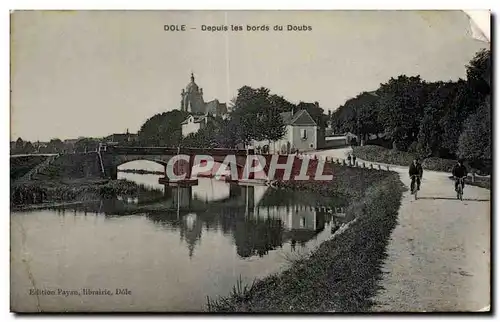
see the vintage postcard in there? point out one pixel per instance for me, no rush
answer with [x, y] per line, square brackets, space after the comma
[250, 161]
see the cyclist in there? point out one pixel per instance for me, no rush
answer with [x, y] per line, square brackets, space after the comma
[459, 171]
[415, 172]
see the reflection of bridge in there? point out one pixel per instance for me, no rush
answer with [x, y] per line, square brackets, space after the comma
[257, 226]
[260, 200]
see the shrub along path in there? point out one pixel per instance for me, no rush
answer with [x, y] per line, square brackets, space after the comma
[439, 253]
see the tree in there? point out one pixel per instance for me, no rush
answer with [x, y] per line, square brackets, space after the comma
[439, 102]
[474, 142]
[228, 134]
[250, 112]
[401, 106]
[479, 72]
[18, 148]
[275, 127]
[358, 115]
[163, 129]
[206, 137]
[280, 104]
[28, 148]
[55, 146]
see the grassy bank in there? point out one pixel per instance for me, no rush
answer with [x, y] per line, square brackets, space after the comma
[346, 181]
[481, 182]
[341, 275]
[21, 165]
[39, 192]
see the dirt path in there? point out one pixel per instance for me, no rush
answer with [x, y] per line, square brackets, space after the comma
[439, 253]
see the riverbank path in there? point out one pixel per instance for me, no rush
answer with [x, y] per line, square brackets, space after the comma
[439, 253]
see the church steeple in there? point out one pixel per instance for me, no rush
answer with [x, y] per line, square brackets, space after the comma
[192, 77]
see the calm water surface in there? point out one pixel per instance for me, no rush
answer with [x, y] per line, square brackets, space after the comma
[170, 252]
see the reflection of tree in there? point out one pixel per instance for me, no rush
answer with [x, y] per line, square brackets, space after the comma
[257, 237]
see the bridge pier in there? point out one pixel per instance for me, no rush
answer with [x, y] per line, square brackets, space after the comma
[234, 190]
[182, 197]
[178, 183]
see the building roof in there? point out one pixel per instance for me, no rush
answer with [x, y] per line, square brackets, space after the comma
[192, 85]
[301, 117]
[70, 141]
[215, 107]
[116, 137]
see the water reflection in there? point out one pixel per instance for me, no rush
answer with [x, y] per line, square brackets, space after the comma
[258, 219]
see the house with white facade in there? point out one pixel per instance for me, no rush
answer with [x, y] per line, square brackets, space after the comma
[194, 123]
[301, 134]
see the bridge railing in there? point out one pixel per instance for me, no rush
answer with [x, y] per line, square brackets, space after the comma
[176, 150]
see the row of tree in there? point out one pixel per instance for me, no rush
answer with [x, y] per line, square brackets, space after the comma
[441, 119]
[53, 146]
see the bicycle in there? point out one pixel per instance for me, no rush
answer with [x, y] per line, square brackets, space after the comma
[414, 188]
[460, 188]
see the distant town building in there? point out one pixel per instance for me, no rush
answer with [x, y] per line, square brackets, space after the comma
[69, 145]
[120, 138]
[301, 134]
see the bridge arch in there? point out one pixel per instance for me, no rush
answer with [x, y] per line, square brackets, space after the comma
[120, 162]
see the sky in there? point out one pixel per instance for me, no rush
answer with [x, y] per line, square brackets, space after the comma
[93, 73]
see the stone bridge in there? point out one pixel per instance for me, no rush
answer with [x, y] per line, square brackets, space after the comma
[113, 156]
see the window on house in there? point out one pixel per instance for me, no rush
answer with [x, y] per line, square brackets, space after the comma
[303, 134]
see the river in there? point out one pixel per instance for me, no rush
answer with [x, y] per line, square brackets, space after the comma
[169, 256]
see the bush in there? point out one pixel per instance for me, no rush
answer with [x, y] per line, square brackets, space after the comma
[438, 164]
[379, 154]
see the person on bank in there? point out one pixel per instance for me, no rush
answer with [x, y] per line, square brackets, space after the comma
[459, 171]
[416, 173]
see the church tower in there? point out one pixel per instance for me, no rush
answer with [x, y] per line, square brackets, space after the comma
[192, 98]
